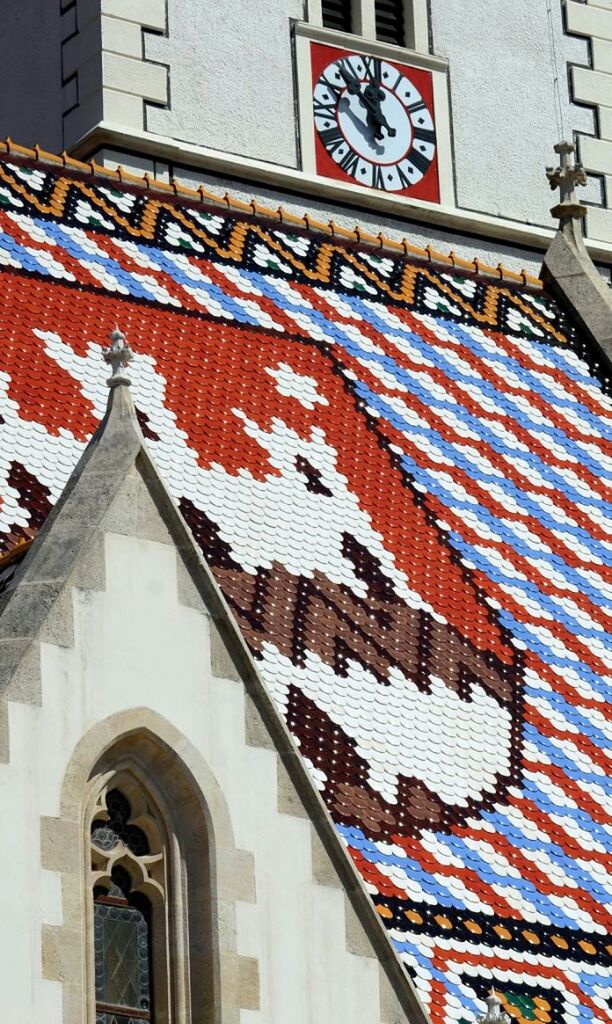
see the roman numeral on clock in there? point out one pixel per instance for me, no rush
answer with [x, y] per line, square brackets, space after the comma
[425, 135]
[335, 90]
[332, 138]
[378, 176]
[373, 68]
[404, 180]
[350, 162]
[414, 108]
[324, 110]
[420, 161]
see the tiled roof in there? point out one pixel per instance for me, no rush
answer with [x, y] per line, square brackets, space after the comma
[399, 477]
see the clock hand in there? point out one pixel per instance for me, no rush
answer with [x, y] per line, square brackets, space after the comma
[371, 97]
[352, 82]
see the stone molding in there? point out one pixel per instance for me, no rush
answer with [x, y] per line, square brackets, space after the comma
[105, 70]
[593, 86]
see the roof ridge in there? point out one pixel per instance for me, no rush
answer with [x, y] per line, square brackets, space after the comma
[380, 242]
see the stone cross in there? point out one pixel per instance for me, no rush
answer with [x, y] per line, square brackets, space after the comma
[118, 355]
[494, 1014]
[565, 177]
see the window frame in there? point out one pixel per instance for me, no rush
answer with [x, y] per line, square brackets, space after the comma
[185, 990]
[149, 876]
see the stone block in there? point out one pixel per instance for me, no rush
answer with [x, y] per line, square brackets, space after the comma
[187, 592]
[596, 154]
[222, 664]
[61, 952]
[602, 55]
[592, 86]
[139, 78]
[255, 731]
[236, 875]
[122, 109]
[122, 37]
[25, 683]
[248, 983]
[288, 800]
[86, 11]
[82, 119]
[28, 608]
[599, 224]
[605, 122]
[323, 870]
[69, 23]
[588, 20]
[89, 74]
[58, 627]
[81, 48]
[150, 14]
[59, 850]
[12, 652]
[136, 164]
[357, 941]
[70, 94]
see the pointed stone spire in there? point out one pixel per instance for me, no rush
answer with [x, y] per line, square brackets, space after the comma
[565, 177]
[494, 1014]
[568, 269]
[118, 355]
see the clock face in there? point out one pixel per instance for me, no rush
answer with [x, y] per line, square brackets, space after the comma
[374, 123]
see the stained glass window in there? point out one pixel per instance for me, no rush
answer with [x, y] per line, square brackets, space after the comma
[122, 938]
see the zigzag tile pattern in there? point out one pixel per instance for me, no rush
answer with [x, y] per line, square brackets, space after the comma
[400, 479]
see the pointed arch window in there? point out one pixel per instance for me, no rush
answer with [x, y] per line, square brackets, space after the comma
[129, 888]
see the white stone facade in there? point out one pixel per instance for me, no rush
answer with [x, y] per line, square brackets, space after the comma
[103, 58]
[593, 86]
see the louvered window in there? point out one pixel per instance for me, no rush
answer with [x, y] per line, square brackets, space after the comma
[390, 21]
[337, 14]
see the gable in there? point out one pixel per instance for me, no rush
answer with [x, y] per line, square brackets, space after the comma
[397, 476]
[136, 649]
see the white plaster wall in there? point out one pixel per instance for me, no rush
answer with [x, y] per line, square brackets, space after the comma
[134, 646]
[510, 100]
[231, 76]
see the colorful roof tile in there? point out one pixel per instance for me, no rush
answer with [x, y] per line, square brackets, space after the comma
[400, 478]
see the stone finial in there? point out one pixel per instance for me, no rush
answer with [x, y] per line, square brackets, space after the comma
[494, 1014]
[565, 177]
[118, 355]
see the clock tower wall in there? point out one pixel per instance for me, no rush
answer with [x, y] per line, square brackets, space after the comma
[226, 94]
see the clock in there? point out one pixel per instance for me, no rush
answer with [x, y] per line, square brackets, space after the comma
[374, 122]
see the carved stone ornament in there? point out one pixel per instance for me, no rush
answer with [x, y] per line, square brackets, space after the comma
[118, 355]
[565, 177]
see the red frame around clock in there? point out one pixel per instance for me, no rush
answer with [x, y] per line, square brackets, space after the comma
[428, 187]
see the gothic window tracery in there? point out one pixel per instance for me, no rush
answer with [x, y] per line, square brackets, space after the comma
[128, 863]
